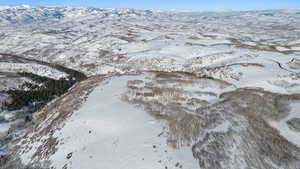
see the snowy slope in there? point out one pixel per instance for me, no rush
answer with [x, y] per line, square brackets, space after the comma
[125, 136]
[166, 120]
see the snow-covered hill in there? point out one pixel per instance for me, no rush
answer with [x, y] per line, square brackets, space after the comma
[164, 89]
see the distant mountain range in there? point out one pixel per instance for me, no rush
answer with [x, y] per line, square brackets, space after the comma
[36, 14]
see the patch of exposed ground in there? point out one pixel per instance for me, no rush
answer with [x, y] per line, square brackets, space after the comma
[294, 124]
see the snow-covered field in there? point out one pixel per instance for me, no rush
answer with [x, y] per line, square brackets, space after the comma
[165, 89]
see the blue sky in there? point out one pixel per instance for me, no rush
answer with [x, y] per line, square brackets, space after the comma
[167, 4]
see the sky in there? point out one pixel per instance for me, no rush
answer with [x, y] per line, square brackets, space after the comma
[166, 4]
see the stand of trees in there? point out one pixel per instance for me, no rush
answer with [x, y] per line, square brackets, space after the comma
[35, 95]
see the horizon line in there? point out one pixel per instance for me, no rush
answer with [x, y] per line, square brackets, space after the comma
[157, 9]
